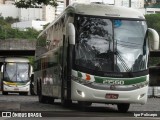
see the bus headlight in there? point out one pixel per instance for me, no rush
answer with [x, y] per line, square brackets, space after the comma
[22, 76]
[140, 85]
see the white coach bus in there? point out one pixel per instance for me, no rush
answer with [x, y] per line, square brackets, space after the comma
[16, 72]
[94, 53]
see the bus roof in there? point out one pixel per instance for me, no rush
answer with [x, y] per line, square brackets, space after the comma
[104, 10]
[16, 59]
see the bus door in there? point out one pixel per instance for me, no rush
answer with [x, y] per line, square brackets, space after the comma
[63, 72]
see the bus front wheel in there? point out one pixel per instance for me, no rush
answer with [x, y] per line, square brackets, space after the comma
[84, 103]
[66, 103]
[23, 93]
[123, 107]
[4, 93]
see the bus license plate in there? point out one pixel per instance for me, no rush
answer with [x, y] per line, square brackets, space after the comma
[111, 96]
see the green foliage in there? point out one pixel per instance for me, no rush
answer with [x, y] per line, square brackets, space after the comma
[3, 23]
[153, 24]
[31, 59]
[154, 61]
[6, 32]
[11, 20]
[34, 3]
[44, 26]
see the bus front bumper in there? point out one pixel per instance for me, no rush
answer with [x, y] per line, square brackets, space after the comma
[81, 92]
[15, 89]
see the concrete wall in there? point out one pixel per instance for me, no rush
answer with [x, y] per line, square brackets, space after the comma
[153, 10]
[38, 25]
[30, 14]
[21, 13]
[8, 10]
[149, 10]
[48, 13]
[134, 3]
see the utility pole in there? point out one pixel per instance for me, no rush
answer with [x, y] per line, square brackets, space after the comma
[130, 3]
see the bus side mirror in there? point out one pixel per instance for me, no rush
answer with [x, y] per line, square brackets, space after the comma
[2, 68]
[31, 70]
[153, 39]
[71, 33]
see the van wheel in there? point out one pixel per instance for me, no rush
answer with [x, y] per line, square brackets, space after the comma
[123, 107]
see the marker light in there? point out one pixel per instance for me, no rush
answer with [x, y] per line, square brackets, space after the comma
[88, 77]
[87, 80]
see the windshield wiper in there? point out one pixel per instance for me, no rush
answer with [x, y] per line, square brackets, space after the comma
[124, 64]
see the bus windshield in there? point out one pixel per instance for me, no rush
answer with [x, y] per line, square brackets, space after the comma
[16, 72]
[111, 45]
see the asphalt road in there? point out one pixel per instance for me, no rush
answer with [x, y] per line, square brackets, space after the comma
[26, 105]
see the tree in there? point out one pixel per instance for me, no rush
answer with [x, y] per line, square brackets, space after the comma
[34, 3]
[11, 20]
[153, 24]
[6, 32]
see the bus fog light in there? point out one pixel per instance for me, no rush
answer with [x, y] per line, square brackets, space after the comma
[81, 93]
[140, 96]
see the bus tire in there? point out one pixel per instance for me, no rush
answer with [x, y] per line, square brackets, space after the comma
[66, 103]
[32, 90]
[23, 93]
[41, 98]
[50, 100]
[4, 93]
[123, 107]
[84, 103]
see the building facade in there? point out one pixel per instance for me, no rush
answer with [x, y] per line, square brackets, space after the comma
[38, 25]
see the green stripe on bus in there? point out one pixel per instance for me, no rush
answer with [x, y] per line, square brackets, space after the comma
[129, 81]
[80, 74]
[21, 83]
